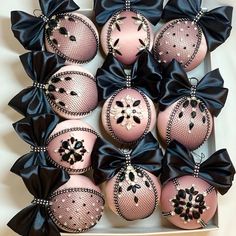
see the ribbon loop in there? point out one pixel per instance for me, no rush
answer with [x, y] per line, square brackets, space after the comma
[34, 219]
[215, 24]
[29, 29]
[145, 76]
[40, 67]
[210, 89]
[151, 9]
[35, 131]
[107, 160]
[217, 170]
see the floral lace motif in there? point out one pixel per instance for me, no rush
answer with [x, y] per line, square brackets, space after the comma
[189, 204]
[72, 150]
[128, 112]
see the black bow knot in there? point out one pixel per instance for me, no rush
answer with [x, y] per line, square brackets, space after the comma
[29, 30]
[216, 24]
[35, 131]
[151, 9]
[40, 67]
[217, 170]
[107, 160]
[209, 89]
[34, 219]
[145, 76]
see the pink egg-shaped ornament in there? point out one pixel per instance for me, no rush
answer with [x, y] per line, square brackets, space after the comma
[72, 92]
[190, 32]
[188, 106]
[191, 183]
[188, 121]
[77, 205]
[125, 34]
[182, 40]
[72, 36]
[133, 193]
[70, 145]
[188, 202]
[132, 186]
[128, 115]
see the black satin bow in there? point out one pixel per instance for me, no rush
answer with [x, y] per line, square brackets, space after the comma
[216, 24]
[217, 170]
[34, 131]
[34, 220]
[29, 30]
[39, 66]
[209, 89]
[151, 9]
[107, 160]
[145, 76]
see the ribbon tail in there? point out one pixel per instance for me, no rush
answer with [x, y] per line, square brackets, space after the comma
[106, 161]
[218, 170]
[41, 66]
[146, 75]
[110, 77]
[50, 8]
[28, 160]
[29, 30]
[31, 101]
[211, 90]
[33, 221]
[216, 25]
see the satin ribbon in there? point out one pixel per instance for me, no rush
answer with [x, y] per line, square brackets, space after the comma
[34, 220]
[39, 66]
[107, 160]
[145, 76]
[35, 131]
[216, 24]
[29, 30]
[217, 170]
[151, 9]
[209, 89]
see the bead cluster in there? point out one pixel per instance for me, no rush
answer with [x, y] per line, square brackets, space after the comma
[41, 202]
[38, 85]
[193, 91]
[128, 81]
[199, 15]
[45, 18]
[127, 5]
[196, 170]
[38, 149]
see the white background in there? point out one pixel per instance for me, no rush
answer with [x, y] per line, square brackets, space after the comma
[13, 196]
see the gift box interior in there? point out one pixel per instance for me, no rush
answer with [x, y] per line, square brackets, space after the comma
[111, 224]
